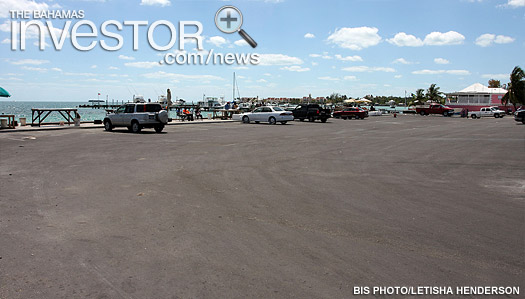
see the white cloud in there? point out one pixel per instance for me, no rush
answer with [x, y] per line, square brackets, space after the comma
[173, 76]
[350, 78]
[516, 3]
[441, 61]
[328, 78]
[402, 61]
[262, 81]
[315, 63]
[156, 2]
[309, 35]
[124, 57]
[398, 76]
[488, 39]
[217, 41]
[438, 72]
[402, 39]
[314, 55]
[7, 5]
[81, 74]
[94, 66]
[6, 41]
[355, 38]
[143, 64]
[56, 69]
[295, 68]
[278, 59]
[444, 39]
[30, 61]
[37, 44]
[361, 69]
[240, 43]
[496, 76]
[37, 69]
[267, 74]
[348, 58]
[113, 68]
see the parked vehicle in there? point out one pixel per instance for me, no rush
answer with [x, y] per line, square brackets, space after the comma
[519, 115]
[269, 114]
[487, 111]
[435, 109]
[312, 112]
[351, 112]
[136, 116]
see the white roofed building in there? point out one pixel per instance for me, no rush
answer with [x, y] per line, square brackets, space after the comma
[475, 95]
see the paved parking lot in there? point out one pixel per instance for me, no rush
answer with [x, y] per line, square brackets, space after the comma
[305, 210]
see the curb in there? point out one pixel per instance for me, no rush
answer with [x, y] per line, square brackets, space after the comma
[37, 129]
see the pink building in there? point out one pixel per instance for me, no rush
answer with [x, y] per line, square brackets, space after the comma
[477, 96]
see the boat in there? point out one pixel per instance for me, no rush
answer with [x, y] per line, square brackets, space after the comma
[138, 99]
[212, 103]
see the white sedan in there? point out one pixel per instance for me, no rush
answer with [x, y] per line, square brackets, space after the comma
[269, 114]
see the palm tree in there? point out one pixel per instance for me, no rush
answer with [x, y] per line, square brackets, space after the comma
[433, 94]
[515, 88]
[418, 97]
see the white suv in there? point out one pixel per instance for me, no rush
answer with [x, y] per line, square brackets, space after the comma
[136, 116]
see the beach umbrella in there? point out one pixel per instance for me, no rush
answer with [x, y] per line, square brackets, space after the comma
[364, 101]
[4, 93]
[349, 101]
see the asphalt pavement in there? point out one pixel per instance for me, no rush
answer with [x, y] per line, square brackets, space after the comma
[231, 210]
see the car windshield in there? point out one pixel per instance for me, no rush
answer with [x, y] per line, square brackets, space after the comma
[153, 108]
[277, 109]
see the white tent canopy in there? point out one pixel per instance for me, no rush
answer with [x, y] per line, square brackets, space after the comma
[480, 88]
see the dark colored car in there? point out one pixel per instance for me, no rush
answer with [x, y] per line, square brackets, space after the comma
[519, 115]
[351, 112]
[435, 109]
[312, 112]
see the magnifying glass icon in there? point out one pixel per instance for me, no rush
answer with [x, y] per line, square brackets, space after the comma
[228, 19]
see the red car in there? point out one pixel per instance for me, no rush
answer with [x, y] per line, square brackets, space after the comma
[351, 112]
[435, 109]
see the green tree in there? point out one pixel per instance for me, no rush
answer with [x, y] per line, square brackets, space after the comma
[434, 95]
[493, 83]
[515, 88]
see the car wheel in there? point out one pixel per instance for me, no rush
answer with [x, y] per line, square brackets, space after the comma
[159, 128]
[135, 127]
[311, 119]
[256, 122]
[324, 119]
[301, 119]
[496, 115]
[283, 123]
[107, 125]
[422, 113]
[245, 119]
[272, 120]
[344, 118]
[445, 114]
[474, 116]
[523, 120]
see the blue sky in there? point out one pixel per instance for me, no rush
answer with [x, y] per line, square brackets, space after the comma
[360, 47]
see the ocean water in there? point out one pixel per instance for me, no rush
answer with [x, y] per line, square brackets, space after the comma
[23, 109]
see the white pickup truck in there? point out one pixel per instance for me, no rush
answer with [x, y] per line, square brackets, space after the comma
[487, 111]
